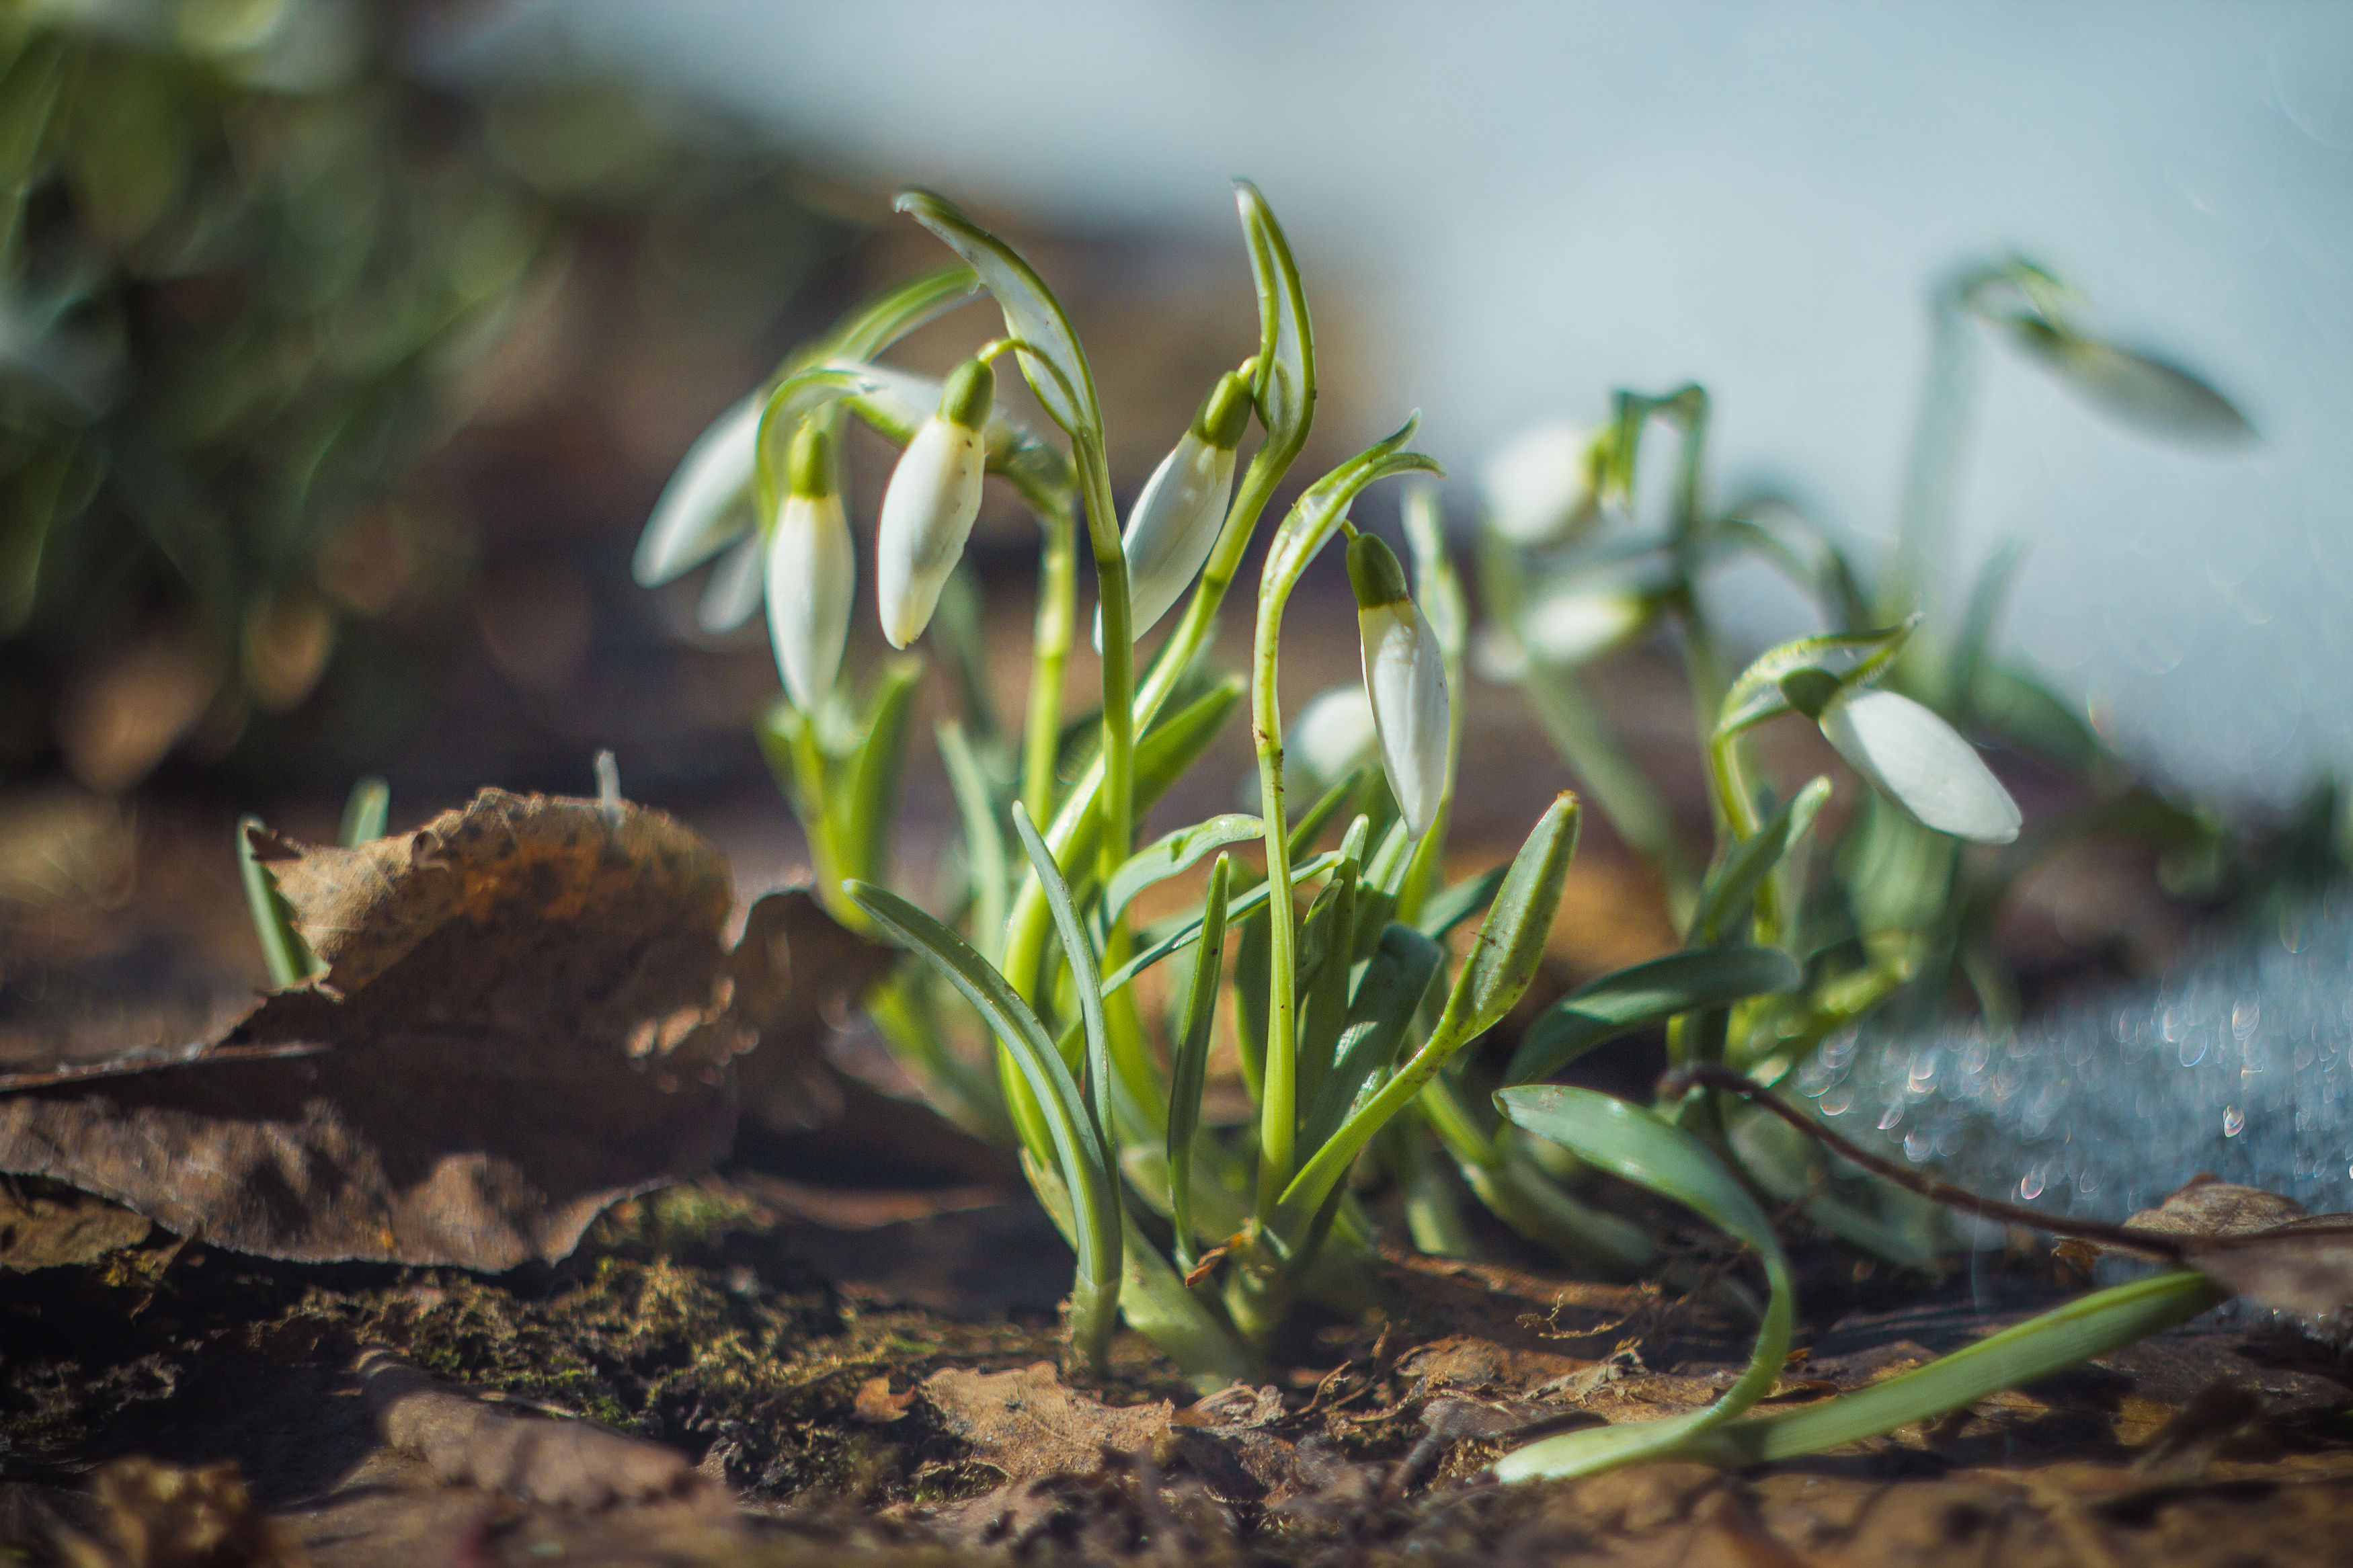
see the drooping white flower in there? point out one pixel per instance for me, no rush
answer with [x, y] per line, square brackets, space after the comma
[1574, 626]
[1405, 675]
[1175, 520]
[812, 571]
[1541, 487]
[731, 594]
[1334, 734]
[1921, 762]
[708, 500]
[928, 506]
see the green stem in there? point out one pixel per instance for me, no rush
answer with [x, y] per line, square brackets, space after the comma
[1030, 921]
[1058, 582]
[1117, 838]
[1279, 1087]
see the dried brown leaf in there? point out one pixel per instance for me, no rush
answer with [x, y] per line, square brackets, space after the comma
[48, 1230]
[1028, 1422]
[528, 1013]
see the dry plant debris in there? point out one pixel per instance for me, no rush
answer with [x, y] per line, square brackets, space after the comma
[527, 1012]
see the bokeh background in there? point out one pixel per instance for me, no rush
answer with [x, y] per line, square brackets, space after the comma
[345, 343]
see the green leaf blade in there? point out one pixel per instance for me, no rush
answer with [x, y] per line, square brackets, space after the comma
[1172, 855]
[1647, 993]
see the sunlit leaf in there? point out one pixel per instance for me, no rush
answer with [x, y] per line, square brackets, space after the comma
[1724, 896]
[1031, 313]
[1638, 1146]
[1078, 950]
[1189, 1063]
[1388, 993]
[1171, 854]
[2092, 1326]
[1285, 388]
[1316, 515]
[1644, 995]
[874, 326]
[1080, 1155]
[1502, 960]
[1450, 907]
[870, 798]
[984, 838]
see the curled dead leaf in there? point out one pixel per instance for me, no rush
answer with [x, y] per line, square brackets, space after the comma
[528, 1013]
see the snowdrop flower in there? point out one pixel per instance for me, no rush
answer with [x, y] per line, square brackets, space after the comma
[1574, 626]
[1334, 734]
[1544, 485]
[1406, 679]
[929, 505]
[1175, 520]
[708, 501]
[812, 573]
[1921, 762]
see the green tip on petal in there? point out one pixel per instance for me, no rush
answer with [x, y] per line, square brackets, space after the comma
[1374, 573]
[808, 462]
[1224, 413]
[1809, 690]
[970, 392]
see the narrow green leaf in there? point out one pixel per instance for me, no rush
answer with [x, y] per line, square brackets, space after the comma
[1188, 1064]
[1284, 390]
[1082, 1158]
[1078, 950]
[2153, 394]
[1326, 953]
[1502, 959]
[2090, 1326]
[869, 329]
[984, 838]
[1167, 751]
[1395, 979]
[1173, 853]
[1848, 657]
[365, 813]
[1031, 313]
[1177, 934]
[1638, 1146]
[282, 946]
[1450, 907]
[1511, 940]
[1643, 995]
[1346, 794]
[871, 796]
[1724, 896]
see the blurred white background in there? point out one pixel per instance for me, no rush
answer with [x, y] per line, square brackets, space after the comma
[1540, 202]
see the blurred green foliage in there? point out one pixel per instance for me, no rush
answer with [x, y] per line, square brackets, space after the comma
[247, 256]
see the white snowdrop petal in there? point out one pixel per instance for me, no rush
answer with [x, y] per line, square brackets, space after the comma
[1335, 733]
[1172, 527]
[927, 513]
[1570, 628]
[1406, 678]
[708, 500]
[812, 578]
[733, 595]
[1922, 763]
[1535, 486]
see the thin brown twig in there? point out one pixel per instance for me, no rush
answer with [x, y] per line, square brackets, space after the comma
[2148, 1244]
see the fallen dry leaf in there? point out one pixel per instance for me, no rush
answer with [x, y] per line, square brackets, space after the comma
[2206, 1207]
[48, 1230]
[468, 1441]
[1028, 1422]
[877, 1404]
[528, 1013]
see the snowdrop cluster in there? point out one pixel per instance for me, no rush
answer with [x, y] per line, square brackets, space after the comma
[1323, 941]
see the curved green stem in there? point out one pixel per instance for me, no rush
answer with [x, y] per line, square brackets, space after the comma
[1117, 838]
[1278, 1085]
[1057, 584]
